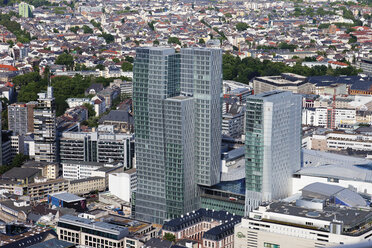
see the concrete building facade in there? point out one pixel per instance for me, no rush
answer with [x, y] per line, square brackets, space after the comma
[45, 127]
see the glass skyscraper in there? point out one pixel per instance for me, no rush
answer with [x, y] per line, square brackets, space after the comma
[176, 98]
[201, 78]
[272, 145]
[156, 77]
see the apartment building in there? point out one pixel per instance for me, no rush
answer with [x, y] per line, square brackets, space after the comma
[340, 141]
[208, 227]
[74, 170]
[233, 121]
[48, 170]
[87, 185]
[20, 115]
[319, 117]
[40, 189]
[366, 66]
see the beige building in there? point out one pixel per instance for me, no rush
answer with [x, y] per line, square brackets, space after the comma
[40, 190]
[285, 81]
[87, 185]
[48, 170]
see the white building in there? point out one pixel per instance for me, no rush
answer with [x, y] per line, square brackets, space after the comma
[317, 219]
[318, 117]
[123, 184]
[273, 145]
[340, 141]
[358, 178]
[74, 170]
[75, 102]
[99, 104]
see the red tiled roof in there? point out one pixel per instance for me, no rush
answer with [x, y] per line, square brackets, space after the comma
[110, 51]
[337, 63]
[7, 68]
[9, 84]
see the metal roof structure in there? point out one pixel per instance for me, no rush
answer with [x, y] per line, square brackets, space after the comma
[67, 197]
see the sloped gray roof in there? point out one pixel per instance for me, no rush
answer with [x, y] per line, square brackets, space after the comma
[323, 189]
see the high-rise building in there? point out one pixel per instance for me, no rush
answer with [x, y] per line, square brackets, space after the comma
[273, 145]
[1, 138]
[17, 118]
[176, 99]
[201, 78]
[156, 77]
[45, 127]
[180, 186]
[25, 9]
[99, 147]
[20, 117]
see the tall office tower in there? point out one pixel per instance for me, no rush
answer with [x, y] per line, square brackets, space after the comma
[180, 186]
[17, 118]
[201, 78]
[45, 127]
[156, 77]
[178, 134]
[21, 117]
[273, 145]
[1, 136]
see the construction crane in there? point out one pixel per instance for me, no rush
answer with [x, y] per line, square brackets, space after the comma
[331, 112]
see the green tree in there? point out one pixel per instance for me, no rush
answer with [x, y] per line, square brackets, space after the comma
[201, 41]
[129, 59]
[55, 30]
[87, 30]
[353, 39]
[65, 59]
[96, 24]
[100, 67]
[18, 160]
[74, 29]
[151, 25]
[169, 237]
[22, 80]
[126, 66]
[91, 111]
[241, 26]
[22, 35]
[156, 42]
[109, 38]
[174, 40]
[283, 45]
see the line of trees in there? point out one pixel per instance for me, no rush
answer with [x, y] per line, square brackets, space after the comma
[243, 70]
[64, 87]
